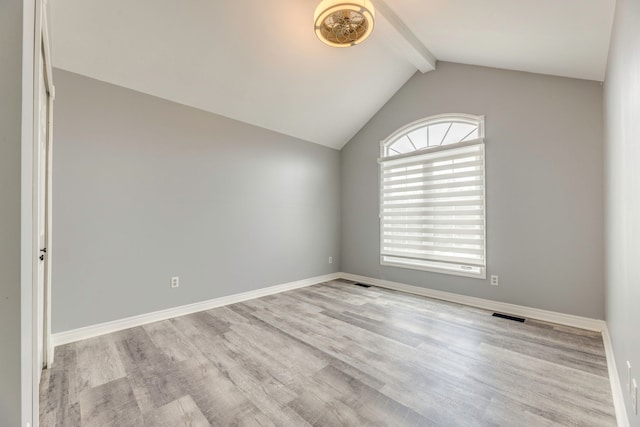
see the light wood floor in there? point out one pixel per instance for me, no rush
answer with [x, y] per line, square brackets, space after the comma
[333, 354]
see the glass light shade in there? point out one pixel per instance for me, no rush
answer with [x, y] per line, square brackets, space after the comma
[344, 23]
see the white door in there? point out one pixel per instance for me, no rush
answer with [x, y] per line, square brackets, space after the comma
[42, 172]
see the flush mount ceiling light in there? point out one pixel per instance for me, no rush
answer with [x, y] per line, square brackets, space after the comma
[341, 23]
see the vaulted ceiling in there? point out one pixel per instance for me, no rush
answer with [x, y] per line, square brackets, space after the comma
[259, 61]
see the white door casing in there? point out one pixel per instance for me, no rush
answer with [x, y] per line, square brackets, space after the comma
[41, 188]
[43, 356]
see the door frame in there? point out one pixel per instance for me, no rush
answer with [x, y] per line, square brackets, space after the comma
[50, 88]
[41, 52]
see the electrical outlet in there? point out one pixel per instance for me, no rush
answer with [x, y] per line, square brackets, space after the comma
[494, 280]
[628, 376]
[175, 282]
[634, 397]
[330, 260]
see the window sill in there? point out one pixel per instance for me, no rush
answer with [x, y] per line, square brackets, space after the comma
[450, 271]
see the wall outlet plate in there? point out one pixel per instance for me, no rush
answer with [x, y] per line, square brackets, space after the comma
[175, 282]
[330, 260]
[494, 280]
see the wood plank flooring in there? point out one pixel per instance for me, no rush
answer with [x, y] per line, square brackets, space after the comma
[328, 355]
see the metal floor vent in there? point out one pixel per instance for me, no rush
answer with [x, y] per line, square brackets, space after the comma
[362, 285]
[506, 316]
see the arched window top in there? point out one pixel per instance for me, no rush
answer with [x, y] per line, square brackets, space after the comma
[434, 131]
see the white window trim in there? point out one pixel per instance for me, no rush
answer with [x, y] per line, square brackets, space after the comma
[440, 118]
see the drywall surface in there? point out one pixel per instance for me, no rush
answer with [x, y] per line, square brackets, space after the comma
[146, 189]
[544, 185]
[622, 154]
[10, 154]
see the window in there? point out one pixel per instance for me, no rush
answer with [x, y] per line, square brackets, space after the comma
[432, 196]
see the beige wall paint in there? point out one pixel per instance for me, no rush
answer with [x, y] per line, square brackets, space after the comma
[146, 189]
[622, 149]
[544, 186]
[10, 158]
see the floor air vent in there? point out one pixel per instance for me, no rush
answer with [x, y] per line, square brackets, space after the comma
[506, 316]
[362, 285]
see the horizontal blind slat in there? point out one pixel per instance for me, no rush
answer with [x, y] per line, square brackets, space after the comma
[429, 248]
[428, 167]
[423, 171]
[473, 155]
[392, 211]
[435, 221]
[433, 230]
[432, 152]
[436, 204]
[388, 189]
[450, 259]
[449, 195]
[435, 178]
[455, 240]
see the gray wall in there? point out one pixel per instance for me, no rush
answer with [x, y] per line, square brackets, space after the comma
[145, 189]
[622, 149]
[10, 146]
[544, 185]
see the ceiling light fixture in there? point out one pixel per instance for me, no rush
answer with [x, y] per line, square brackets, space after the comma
[341, 23]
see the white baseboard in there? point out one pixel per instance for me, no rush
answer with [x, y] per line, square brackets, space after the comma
[614, 380]
[74, 335]
[519, 310]
[503, 307]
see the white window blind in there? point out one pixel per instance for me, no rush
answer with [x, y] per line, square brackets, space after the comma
[432, 209]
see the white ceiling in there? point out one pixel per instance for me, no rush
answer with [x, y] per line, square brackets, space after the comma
[567, 38]
[259, 61]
